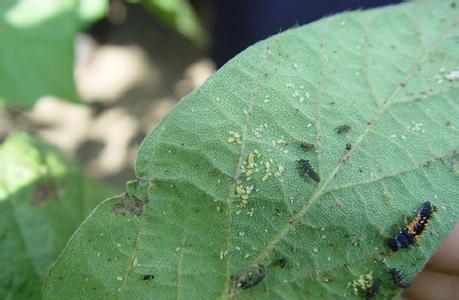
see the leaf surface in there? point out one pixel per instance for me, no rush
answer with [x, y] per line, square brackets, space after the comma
[43, 199]
[220, 209]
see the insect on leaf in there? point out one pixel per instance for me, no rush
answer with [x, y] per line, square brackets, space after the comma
[219, 179]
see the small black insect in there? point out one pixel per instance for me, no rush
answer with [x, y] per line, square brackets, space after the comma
[373, 290]
[148, 277]
[397, 278]
[307, 146]
[410, 234]
[342, 129]
[281, 262]
[252, 278]
[306, 167]
[348, 146]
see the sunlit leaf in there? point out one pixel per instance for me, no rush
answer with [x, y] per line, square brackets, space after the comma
[43, 199]
[37, 47]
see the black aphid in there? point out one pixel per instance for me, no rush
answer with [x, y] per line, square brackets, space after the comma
[148, 277]
[281, 262]
[410, 234]
[306, 168]
[348, 146]
[343, 129]
[373, 290]
[397, 278]
[307, 146]
[252, 278]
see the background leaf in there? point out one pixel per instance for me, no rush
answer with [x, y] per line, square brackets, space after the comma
[43, 199]
[180, 15]
[36, 46]
[218, 193]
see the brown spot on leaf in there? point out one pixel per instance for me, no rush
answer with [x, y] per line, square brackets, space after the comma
[44, 191]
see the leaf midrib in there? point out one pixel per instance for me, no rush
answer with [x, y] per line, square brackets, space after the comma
[237, 173]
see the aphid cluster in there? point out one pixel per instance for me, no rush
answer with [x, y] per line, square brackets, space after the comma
[397, 278]
[306, 168]
[410, 234]
[373, 290]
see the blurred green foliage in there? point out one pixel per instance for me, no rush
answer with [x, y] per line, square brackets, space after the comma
[43, 198]
[180, 15]
[37, 47]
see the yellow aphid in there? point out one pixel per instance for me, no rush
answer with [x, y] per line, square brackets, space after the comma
[240, 191]
[250, 160]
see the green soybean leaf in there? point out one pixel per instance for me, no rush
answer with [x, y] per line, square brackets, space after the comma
[43, 199]
[180, 15]
[220, 209]
[36, 45]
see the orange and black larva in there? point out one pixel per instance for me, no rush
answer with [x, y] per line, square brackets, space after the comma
[397, 278]
[410, 234]
[373, 290]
